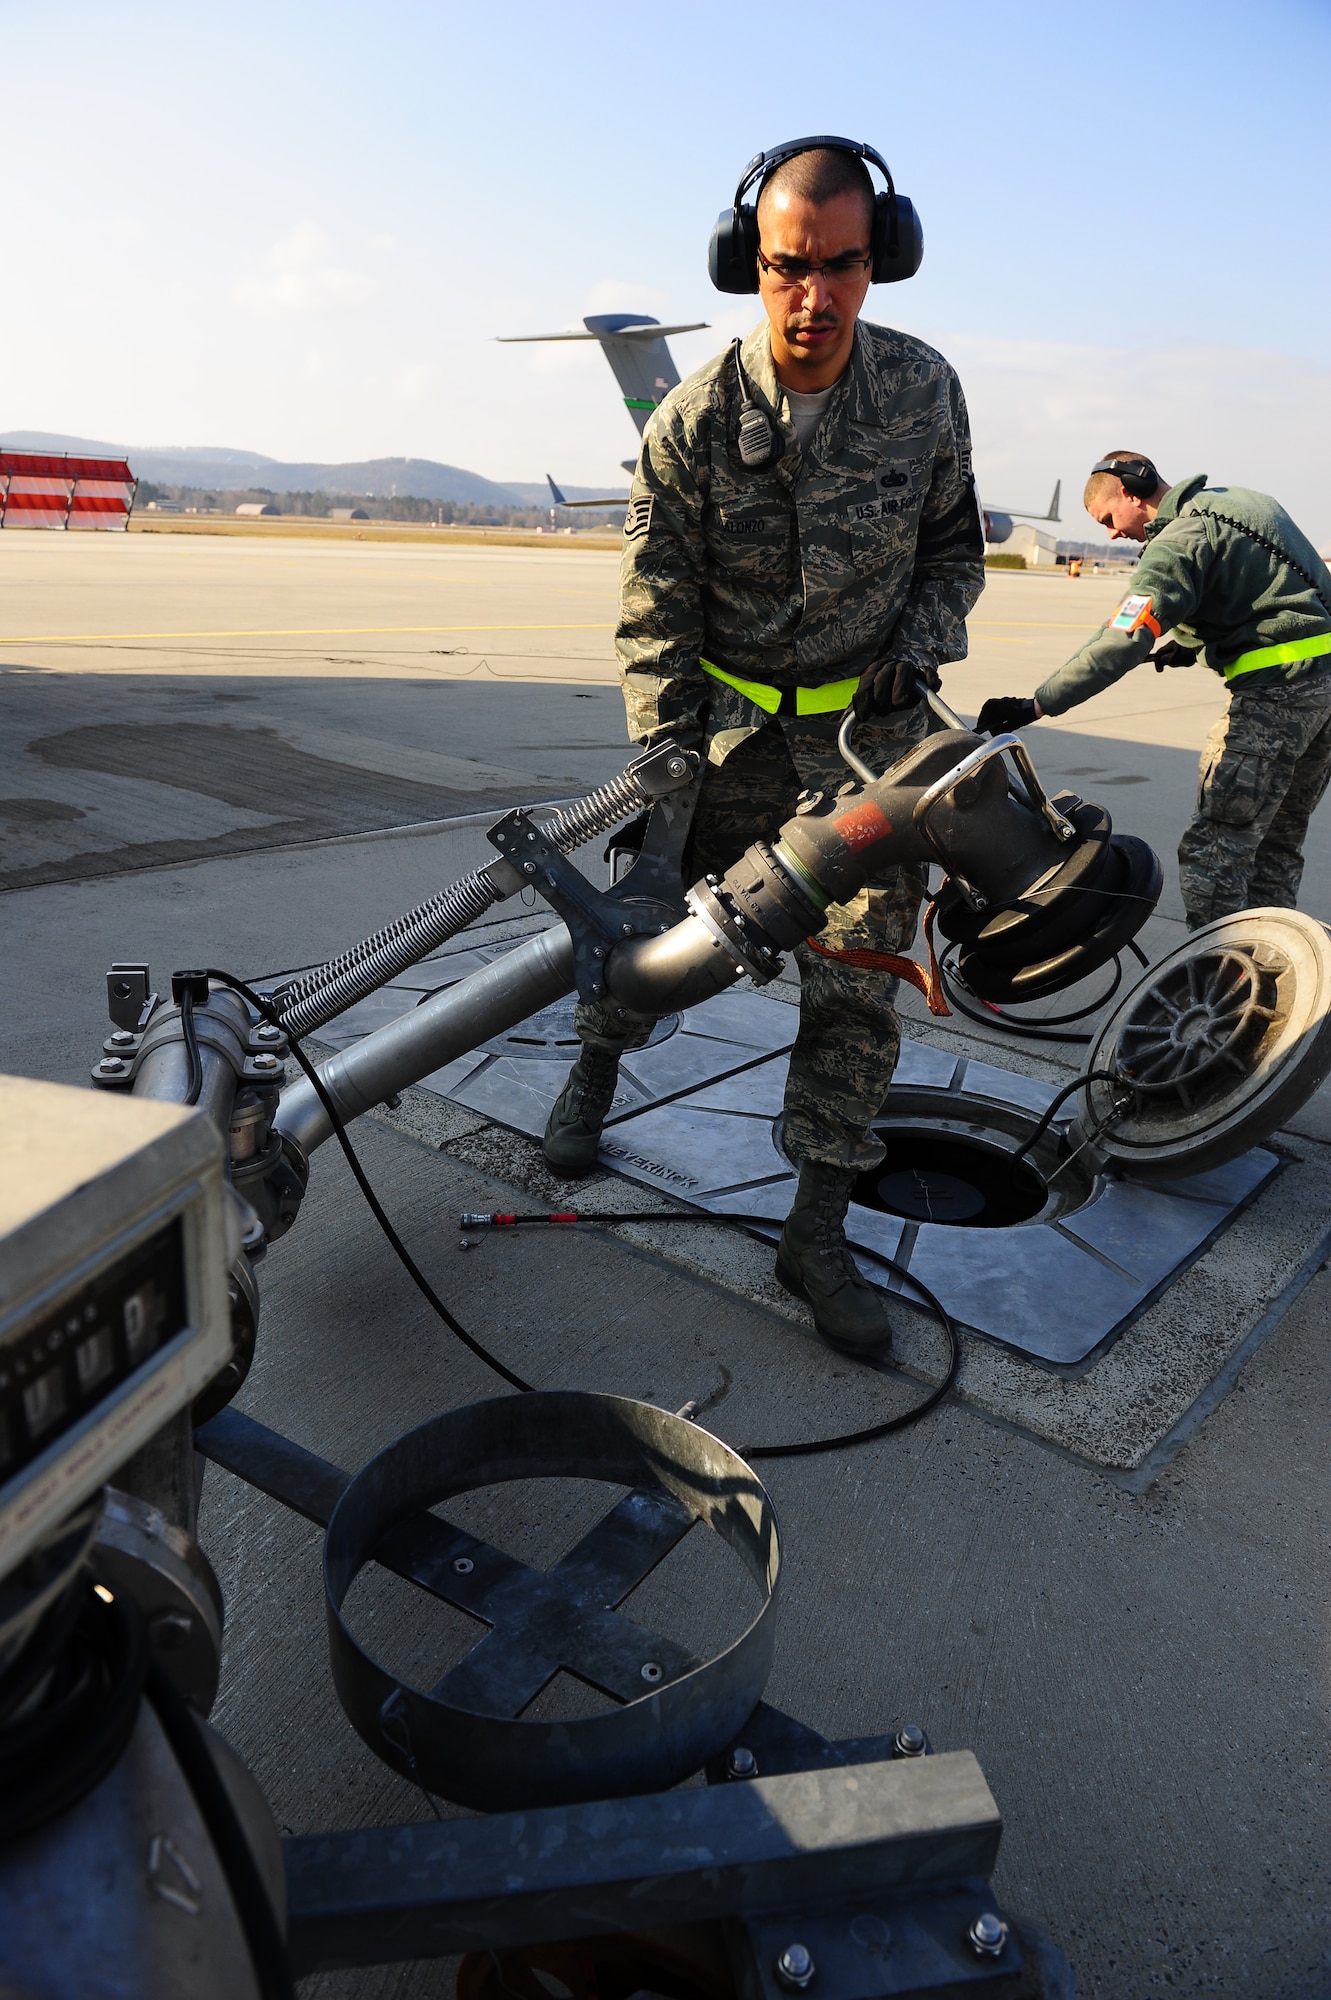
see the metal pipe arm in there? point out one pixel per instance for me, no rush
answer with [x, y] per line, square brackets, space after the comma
[445, 1026]
[771, 899]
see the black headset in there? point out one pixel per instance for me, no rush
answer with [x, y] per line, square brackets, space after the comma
[897, 240]
[1138, 475]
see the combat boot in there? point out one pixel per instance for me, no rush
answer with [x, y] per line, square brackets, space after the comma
[573, 1130]
[814, 1263]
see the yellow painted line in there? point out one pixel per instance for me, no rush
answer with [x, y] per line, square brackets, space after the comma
[1030, 624]
[278, 632]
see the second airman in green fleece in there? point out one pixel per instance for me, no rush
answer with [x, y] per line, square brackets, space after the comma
[1231, 578]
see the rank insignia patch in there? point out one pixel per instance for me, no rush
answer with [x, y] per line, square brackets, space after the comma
[639, 517]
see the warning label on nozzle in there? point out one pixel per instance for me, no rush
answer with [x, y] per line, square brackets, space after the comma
[863, 825]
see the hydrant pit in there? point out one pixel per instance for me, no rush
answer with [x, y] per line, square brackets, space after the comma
[952, 1180]
[951, 1160]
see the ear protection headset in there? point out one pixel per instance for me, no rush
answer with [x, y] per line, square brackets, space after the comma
[1138, 475]
[897, 240]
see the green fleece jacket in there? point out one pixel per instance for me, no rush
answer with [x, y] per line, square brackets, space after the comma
[1221, 570]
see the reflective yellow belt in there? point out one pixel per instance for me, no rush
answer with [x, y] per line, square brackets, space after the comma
[1279, 656]
[828, 699]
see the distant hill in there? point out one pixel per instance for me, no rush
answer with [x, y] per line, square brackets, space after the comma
[215, 468]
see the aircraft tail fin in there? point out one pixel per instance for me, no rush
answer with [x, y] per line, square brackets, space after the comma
[635, 346]
[555, 493]
[1053, 514]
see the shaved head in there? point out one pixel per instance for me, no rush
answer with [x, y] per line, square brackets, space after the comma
[818, 177]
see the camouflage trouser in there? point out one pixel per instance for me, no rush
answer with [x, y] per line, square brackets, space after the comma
[849, 1035]
[1264, 769]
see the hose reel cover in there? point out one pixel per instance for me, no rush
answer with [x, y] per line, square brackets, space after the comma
[1220, 1044]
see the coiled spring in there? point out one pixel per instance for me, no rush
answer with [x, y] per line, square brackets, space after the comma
[308, 1002]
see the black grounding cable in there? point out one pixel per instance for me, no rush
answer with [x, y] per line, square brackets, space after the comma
[1044, 1028]
[268, 1012]
[190, 1035]
[1082, 1082]
[737, 1218]
[804, 1448]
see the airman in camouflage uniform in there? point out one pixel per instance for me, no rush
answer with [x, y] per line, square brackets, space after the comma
[1232, 577]
[753, 606]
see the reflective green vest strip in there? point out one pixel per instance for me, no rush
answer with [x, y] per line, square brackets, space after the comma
[828, 699]
[1279, 656]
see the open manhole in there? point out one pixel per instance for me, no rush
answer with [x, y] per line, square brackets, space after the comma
[951, 1159]
[933, 1175]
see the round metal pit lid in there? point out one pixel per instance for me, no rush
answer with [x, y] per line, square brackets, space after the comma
[1217, 1045]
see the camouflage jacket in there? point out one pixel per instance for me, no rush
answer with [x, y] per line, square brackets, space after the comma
[1232, 577]
[866, 546]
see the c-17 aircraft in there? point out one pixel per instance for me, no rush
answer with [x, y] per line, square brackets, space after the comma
[998, 520]
[635, 346]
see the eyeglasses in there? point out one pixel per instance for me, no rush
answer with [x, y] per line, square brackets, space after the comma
[793, 271]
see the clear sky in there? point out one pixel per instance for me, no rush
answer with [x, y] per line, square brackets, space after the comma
[298, 229]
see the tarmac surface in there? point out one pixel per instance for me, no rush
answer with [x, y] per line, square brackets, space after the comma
[251, 753]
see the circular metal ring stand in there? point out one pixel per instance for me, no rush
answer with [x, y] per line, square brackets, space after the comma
[1219, 1045]
[465, 1739]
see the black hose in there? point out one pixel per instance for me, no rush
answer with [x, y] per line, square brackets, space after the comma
[1045, 1030]
[1069, 1090]
[191, 1038]
[263, 1937]
[268, 1012]
[432, 1298]
[53, 1755]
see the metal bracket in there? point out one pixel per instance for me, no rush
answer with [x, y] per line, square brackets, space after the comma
[129, 1001]
[657, 870]
[598, 919]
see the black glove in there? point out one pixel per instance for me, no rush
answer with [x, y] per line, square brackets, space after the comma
[891, 685]
[1003, 712]
[1171, 654]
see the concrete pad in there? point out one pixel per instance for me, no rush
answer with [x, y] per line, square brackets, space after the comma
[1093, 1647]
[1137, 1261]
[1141, 1672]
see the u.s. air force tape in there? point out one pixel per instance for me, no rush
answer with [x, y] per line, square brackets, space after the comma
[639, 517]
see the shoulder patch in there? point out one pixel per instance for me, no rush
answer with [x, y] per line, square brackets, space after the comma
[639, 517]
[1133, 613]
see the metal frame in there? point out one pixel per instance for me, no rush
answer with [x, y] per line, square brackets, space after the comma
[465, 1737]
[873, 1853]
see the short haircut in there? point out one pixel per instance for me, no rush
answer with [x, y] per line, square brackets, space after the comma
[820, 176]
[1101, 484]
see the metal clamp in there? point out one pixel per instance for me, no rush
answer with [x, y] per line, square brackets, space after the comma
[598, 919]
[1036, 795]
